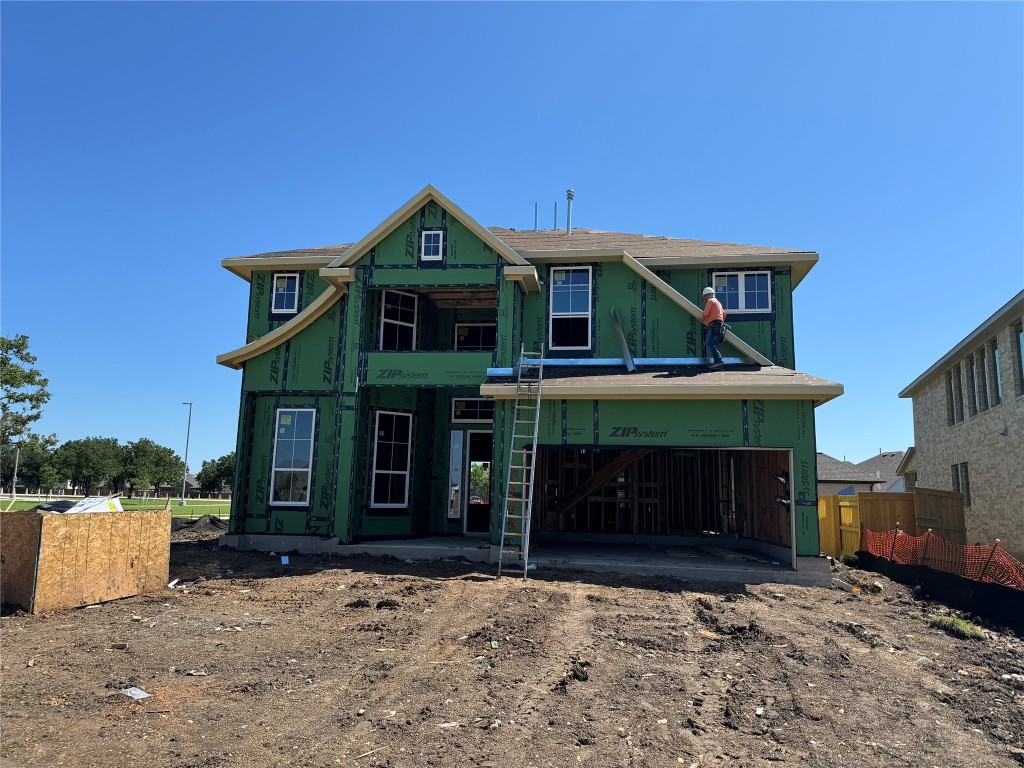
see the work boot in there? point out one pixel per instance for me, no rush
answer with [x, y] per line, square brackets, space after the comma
[716, 365]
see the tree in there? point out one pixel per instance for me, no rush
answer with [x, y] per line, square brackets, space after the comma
[147, 464]
[33, 452]
[89, 462]
[23, 387]
[480, 480]
[49, 478]
[216, 474]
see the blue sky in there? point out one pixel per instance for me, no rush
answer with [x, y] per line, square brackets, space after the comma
[142, 143]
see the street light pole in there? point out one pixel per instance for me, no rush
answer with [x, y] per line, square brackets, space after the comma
[184, 472]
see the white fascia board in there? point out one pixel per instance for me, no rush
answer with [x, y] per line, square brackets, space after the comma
[323, 302]
[244, 266]
[420, 199]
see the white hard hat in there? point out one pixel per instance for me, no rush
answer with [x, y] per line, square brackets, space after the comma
[708, 290]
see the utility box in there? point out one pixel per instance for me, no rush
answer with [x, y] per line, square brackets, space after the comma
[50, 561]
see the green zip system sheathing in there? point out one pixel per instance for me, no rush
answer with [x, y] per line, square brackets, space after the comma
[696, 424]
[653, 325]
[334, 366]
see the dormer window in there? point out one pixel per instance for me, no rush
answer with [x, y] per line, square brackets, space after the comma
[286, 294]
[742, 292]
[431, 244]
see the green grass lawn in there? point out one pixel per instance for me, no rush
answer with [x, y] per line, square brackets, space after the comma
[192, 508]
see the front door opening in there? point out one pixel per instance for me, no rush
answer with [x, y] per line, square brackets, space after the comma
[478, 502]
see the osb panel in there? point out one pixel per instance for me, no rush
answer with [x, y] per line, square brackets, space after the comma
[19, 543]
[94, 557]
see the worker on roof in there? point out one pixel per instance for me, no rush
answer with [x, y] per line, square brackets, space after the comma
[714, 323]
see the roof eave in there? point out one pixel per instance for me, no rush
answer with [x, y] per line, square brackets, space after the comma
[1010, 308]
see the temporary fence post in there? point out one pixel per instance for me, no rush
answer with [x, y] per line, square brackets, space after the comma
[893, 550]
[990, 554]
[927, 540]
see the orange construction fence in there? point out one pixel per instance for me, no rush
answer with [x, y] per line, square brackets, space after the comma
[980, 562]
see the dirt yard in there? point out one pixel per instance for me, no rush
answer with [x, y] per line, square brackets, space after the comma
[376, 662]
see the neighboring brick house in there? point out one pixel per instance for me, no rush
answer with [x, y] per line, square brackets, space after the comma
[842, 477]
[969, 427]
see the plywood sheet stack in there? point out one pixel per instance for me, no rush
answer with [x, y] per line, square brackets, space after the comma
[50, 561]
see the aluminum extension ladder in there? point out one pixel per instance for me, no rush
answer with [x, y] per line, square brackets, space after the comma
[518, 508]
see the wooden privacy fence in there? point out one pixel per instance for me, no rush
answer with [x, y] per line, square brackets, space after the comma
[840, 518]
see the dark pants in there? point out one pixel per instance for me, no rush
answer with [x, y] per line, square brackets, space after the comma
[714, 336]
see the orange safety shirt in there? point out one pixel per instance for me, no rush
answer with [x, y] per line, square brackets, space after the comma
[712, 311]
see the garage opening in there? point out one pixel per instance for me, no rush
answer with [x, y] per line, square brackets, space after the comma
[631, 492]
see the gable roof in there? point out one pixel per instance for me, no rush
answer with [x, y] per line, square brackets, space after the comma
[884, 466]
[832, 470]
[1009, 311]
[427, 194]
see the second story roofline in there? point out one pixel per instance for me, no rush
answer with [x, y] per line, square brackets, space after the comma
[1009, 310]
[723, 255]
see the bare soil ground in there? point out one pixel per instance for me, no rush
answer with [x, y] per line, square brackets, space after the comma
[375, 662]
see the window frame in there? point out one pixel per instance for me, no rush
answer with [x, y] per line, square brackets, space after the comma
[455, 341]
[971, 374]
[423, 244]
[373, 467]
[383, 319]
[996, 392]
[273, 292]
[1017, 334]
[552, 316]
[455, 420]
[273, 460]
[741, 289]
[981, 372]
[965, 483]
[958, 394]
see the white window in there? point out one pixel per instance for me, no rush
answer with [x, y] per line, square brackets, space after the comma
[476, 336]
[743, 291]
[392, 447]
[398, 321]
[474, 409]
[293, 456]
[286, 293]
[570, 308]
[431, 244]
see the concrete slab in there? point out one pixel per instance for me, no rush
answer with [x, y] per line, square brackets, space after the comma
[640, 559]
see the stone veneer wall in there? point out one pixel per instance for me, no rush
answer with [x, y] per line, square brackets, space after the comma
[995, 462]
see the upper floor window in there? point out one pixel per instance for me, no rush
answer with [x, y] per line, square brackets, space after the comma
[954, 396]
[997, 384]
[293, 456]
[981, 364]
[398, 321]
[476, 336]
[570, 308]
[743, 291]
[431, 244]
[286, 293]
[1018, 336]
[972, 386]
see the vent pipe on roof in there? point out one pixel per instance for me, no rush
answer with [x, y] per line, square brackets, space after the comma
[554, 224]
[536, 214]
[568, 214]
